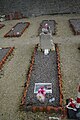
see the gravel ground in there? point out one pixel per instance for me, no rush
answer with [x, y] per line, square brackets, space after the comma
[39, 7]
[13, 74]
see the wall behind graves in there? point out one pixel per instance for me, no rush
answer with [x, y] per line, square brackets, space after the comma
[39, 7]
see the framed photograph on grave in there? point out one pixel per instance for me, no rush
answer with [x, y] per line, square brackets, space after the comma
[47, 86]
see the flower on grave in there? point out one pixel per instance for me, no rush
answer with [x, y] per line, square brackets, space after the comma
[41, 95]
[72, 104]
[17, 33]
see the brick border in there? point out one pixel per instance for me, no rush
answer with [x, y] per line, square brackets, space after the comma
[15, 15]
[28, 75]
[15, 35]
[72, 27]
[43, 108]
[2, 25]
[6, 56]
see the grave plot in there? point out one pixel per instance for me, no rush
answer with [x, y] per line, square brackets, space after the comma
[14, 15]
[75, 25]
[4, 53]
[45, 72]
[17, 30]
[1, 26]
[50, 23]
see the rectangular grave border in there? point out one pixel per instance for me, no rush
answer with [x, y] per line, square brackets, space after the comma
[16, 15]
[1, 26]
[72, 28]
[15, 35]
[41, 27]
[6, 56]
[43, 108]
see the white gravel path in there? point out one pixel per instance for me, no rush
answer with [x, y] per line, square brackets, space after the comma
[15, 69]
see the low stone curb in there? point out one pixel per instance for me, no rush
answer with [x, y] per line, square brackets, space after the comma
[5, 57]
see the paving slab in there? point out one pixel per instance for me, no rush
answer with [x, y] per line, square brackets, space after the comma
[45, 41]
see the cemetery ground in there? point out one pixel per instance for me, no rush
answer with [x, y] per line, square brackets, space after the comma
[14, 71]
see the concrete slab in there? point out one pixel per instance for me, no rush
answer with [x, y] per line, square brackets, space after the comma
[45, 41]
